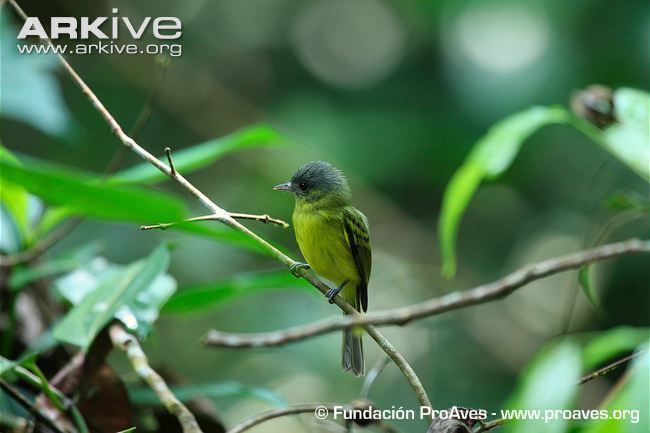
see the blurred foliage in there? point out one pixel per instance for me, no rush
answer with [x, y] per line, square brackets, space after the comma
[400, 96]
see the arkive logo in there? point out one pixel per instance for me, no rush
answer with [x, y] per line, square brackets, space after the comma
[110, 35]
[165, 28]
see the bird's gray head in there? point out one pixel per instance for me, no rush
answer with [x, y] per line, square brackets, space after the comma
[318, 181]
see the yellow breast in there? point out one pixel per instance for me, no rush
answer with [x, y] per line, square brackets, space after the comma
[321, 239]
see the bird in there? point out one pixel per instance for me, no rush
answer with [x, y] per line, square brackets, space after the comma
[334, 239]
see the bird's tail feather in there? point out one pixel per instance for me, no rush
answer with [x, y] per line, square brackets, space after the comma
[353, 352]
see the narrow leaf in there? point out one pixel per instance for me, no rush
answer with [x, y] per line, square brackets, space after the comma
[81, 194]
[201, 155]
[204, 296]
[489, 158]
[588, 288]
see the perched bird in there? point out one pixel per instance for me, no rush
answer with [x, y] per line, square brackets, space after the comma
[333, 237]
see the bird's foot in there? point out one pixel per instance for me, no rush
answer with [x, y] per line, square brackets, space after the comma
[296, 267]
[333, 292]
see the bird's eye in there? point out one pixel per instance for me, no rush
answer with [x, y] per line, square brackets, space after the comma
[304, 186]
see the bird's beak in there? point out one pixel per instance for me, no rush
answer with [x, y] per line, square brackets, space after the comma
[283, 187]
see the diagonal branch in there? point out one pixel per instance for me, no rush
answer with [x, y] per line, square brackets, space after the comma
[224, 217]
[129, 344]
[452, 301]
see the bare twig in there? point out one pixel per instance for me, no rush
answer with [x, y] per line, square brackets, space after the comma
[40, 247]
[372, 375]
[168, 152]
[224, 217]
[491, 425]
[263, 218]
[277, 413]
[608, 368]
[452, 301]
[130, 345]
[29, 406]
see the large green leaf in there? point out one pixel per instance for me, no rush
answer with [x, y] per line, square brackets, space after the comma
[204, 296]
[630, 399]
[490, 157]
[220, 390]
[549, 383]
[117, 289]
[83, 195]
[627, 140]
[606, 345]
[201, 155]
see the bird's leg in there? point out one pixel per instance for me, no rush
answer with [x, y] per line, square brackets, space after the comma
[296, 267]
[333, 292]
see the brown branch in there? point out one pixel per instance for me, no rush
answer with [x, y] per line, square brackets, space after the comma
[263, 218]
[452, 301]
[277, 413]
[608, 368]
[129, 344]
[224, 217]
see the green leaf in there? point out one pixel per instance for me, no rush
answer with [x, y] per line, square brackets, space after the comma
[84, 195]
[222, 390]
[204, 296]
[200, 155]
[489, 158]
[14, 200]
[606, 345]
[6, 365]
[548, 383]
[628, 139]
[631, 398]
[30, 89]
[587, 287]
[116, 290]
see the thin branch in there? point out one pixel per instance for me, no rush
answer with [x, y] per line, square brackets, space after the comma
[29, 406]
[491, 425]
[168, 152]
[452, 301]
[608, 368]
[277, 413]
[224, 217]
[591, 376]
[263, 218]
[130, 345]
[40, 247]
[372, 376]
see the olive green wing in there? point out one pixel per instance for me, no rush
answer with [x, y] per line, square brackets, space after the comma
[357, 235]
